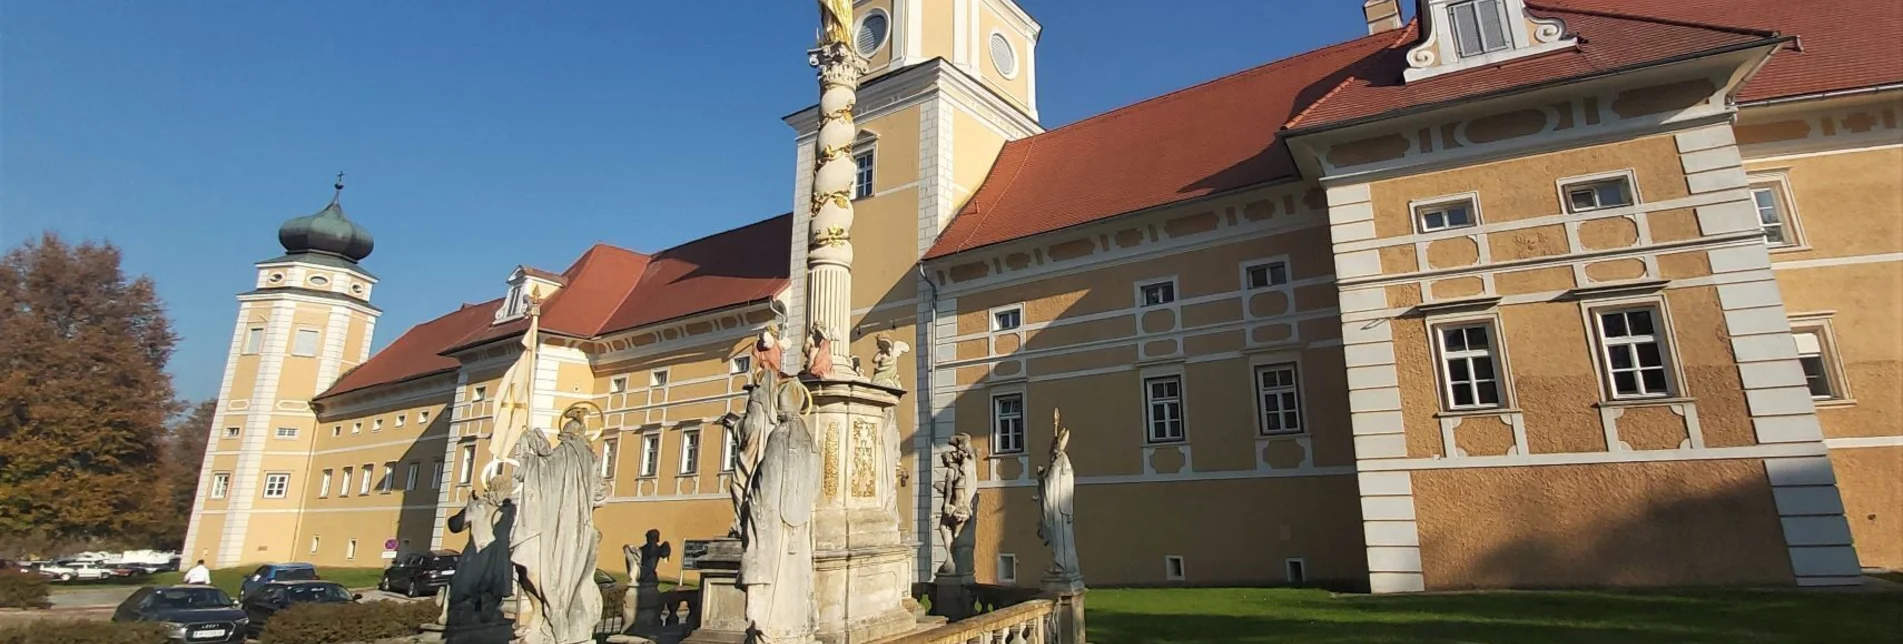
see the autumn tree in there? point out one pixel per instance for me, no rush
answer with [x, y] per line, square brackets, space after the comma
[184, 451]
[83, 397]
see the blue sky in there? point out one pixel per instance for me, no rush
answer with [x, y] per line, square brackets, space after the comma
[185, 131]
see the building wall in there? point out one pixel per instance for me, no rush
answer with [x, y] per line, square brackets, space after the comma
[359, 430]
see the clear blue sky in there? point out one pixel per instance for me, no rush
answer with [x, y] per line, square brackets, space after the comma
[185, 131]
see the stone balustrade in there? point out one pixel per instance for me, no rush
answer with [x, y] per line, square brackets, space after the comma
[1024, 623]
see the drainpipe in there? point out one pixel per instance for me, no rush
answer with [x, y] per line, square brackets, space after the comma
[927, 355]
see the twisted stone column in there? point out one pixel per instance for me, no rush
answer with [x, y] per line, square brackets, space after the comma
[829, 232]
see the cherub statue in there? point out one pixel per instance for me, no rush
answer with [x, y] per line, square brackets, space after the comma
[885, 363]
[819, 353]
[768, 349]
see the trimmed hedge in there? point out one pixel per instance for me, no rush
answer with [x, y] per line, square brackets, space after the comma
[81, 632]
[327, 623]
[22, 590]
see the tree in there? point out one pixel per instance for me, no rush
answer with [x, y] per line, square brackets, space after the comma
[184, 455]
[83, 396]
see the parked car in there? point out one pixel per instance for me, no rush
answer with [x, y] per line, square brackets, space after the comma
[191, 614]
[268, 573]
[276, 596]
[419, 573]
[71, 570]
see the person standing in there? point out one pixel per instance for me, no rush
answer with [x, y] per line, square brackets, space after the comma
[199, 574]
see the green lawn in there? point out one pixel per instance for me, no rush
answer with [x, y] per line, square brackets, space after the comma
[1262, 615]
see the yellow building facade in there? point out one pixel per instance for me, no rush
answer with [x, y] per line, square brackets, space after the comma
[1600, 293]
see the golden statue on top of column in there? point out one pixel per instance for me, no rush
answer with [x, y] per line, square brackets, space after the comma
[835, 19]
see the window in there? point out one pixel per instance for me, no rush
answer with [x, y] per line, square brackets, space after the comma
[690, 451]
[871, 34]
[376, 425]
[617, 384]
[862, 174]
[1165, 398]
[1159, 293]
[1267, 274]
[253, 339]
[1812, 355]
[276, 484]
[1295, 571]
[369, 479]
[610, 453]
[1173, 568]
[1634, 353]
[1597, 195]
[1003, 56]
[350, 549]
[1007, 319]
[234, 432]
[1468, 370]
[314, 542]
[657, 378]
[729, 452]
[399, 420]
[304, 343]
[389, 478]
[356, 428]
[336, 430]
[1775, 214]
[220, 485]
[740, 365]
[409, 477]
[323, 488]
[1007, 424]
[436, 479]
[343, 484]
[422, 417]
[1279, 390]
[1480, 26]
[479, 394]
[466, 470]
[1007, 568]
[650, 454]
[1445, 215]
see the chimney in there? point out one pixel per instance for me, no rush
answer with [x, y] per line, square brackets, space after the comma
[1383, 15]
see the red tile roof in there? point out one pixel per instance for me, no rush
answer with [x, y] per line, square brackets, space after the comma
[743, 265]
[598, 279]
[415, 353]
[1223, 135]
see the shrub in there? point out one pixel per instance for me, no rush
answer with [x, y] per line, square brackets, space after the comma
[22, 590]
[611, 598]
[326, 623]
[81, 632]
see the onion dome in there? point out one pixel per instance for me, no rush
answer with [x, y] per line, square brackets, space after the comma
[328, 231]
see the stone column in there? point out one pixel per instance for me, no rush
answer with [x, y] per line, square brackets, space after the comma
[829, 232]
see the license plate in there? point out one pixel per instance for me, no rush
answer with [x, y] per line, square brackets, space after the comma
[216, 632]
[447, 573]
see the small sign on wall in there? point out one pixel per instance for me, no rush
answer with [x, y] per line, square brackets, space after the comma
[691, 552]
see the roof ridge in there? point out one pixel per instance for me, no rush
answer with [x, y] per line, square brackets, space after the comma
[714, 234]
[1675, 22]
[976, 208]
[1407, 33]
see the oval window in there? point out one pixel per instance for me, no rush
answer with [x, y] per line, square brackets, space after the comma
[319, 280]
[1003, 56]
[872, 32]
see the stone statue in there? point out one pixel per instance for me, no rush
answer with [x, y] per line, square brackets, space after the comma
[885, 363]
[768, 350]
[483, 571]
[750, 433]
[819, 353]
[650, 555]
[776, 567]
[835, 20]
[1056, 484]
[959, 489]
[557, 489]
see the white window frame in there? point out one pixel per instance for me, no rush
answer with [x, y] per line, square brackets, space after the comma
[1268, 272]
[739, 365]
[1419, 209]
[376, 425]
[356, 427]
[1495, 353]
[409, 476]
[336, 431]
[690, 451]
[610, 457]
[1506, 27]
[618, 384]
[1007, 568]
[298, 348]
[1662, 334]
[1778, 185]
[658, 378]
[729, 449]
[1151, 402]
[282, 480]
[1567, 184]
[400, 418]
[478, 394]
[350, 550]
[1262, 394]
[997, 315]
[422, 416]
[253, 341]
[650, 454]
[220, 485]
[323, 489]
[343, 482]
[436, 482]
[859, 27]
[315, 541]
[1174, 568]
[388, 482]
[466, 468]
[865, 177]
[369, 480]
[1142, 292]
[999, 420]
[234, 432]
[285, 433]
[1827, 351]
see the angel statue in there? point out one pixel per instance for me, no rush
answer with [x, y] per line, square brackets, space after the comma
[885, 363]
[768, 349]
[819, 352]
[835, 19]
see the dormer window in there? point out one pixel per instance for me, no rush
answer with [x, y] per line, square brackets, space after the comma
[1480, 26]
[1465, 34]
[526, 284]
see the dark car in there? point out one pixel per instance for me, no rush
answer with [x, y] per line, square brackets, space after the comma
[191, 614]
[276, 596]
[268, 573]
[419, 573]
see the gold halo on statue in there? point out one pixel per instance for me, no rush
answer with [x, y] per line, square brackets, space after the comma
[806, 395]
[578, 412]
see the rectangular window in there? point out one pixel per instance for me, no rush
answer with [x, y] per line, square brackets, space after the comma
[314, 542]
[657, 378]
[305, 343]
[389, 478]
[1159, 293]
[323, 488]
[436, 479]
[1468, 372]
[1634, 353]
[479, 394]
[862, 175]
[276, 485]
[220, 485]
[343, 484]
[350, 549]
[729, 451]
[409, 477]
[1295, 571]
[740, 365]
[399, 420]
[650, 454]
[1279, 392]
[356, 428]
[369, 479]
[610, 453]
[1480, 26]
[422, 417]
[1774, 215]
[1165, 399]
[234, 432]
[1445, 216]
[1598, 194]
[336, 430]
[376, 425]
[466, 470]
[1007, 319]
[1813, 356]
[690, 451]
[1267, 274]
[1173, 568]
[617, 384]
[1007, 424]
[253, 339]
[1007, 568]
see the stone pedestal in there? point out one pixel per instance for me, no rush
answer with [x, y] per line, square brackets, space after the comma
[647, 606]
[1068, 614]
[723, 606]
[862, 564]
[951, 595]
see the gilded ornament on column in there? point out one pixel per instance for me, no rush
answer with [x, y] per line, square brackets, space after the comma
[831, 236]
[835, 153]
[864, 471]
[829, 477]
